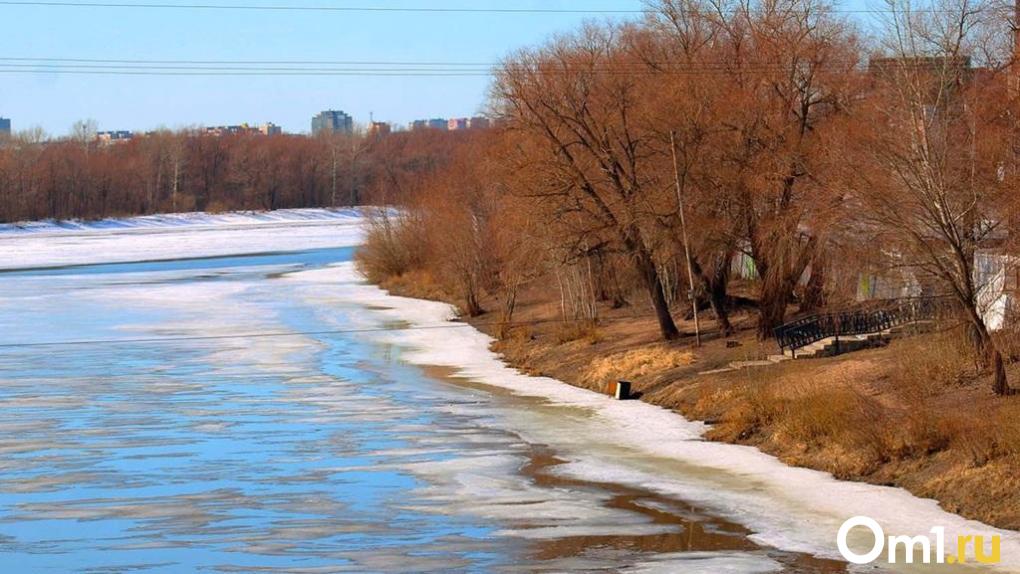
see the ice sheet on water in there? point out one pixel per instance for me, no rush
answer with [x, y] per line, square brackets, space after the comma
[789, 508]
[182, 236]
[179, 220]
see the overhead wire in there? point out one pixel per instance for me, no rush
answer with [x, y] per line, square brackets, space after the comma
[227, 68]
[285, 334]
[387, 9]
[319, 8]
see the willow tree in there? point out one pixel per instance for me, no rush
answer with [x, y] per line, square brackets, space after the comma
[575, 108]
[790, 76]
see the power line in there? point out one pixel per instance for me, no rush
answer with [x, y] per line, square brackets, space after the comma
[396, 74]
[396, 66]
[81, 66]
[57, 65]
[396, 9]
[311, 8]
[252, 62]
[286, 334]
[391, 73]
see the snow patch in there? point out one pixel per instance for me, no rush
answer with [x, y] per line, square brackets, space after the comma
[791, 509]
[179, 220]
[178, 236]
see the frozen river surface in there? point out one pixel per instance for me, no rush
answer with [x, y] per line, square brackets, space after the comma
[270, 413]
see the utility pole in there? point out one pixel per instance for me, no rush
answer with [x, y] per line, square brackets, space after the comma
[332, 194]
[1014, 82]
[1016, 46]
[354, 173]
[687, 244]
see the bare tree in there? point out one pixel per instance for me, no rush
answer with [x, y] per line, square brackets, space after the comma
[576, 117]
[937, 191]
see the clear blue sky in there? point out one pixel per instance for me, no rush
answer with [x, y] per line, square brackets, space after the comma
[55, 101]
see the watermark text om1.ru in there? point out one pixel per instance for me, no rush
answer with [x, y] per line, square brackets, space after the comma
[932, 548]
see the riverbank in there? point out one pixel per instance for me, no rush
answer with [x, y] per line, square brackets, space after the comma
[915, 414]
[358, 391]
[55, 244]
[253, 412]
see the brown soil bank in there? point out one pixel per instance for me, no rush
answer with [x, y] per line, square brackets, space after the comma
[915, 414]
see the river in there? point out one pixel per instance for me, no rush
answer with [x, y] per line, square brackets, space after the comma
[270, 413]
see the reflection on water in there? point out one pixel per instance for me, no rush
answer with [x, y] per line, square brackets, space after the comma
[307, 453]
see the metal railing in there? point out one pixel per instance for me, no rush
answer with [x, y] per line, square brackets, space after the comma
[865, 321]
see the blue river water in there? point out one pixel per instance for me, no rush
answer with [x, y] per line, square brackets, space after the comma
[147, 426]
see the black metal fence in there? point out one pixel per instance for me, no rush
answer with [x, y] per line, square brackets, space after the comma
[863, 321]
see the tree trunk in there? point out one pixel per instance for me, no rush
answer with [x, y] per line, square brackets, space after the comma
[1000, 385]
[771, 312]
[780, 274]
[992, 356]
[608, 284]
[718, 285]
[988, 351]
[814, 292]
[646, 267]
[473, 307]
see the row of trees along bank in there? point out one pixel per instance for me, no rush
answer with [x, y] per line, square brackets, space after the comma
[794, 142]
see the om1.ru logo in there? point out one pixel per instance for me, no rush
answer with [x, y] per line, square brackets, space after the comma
[931, 550]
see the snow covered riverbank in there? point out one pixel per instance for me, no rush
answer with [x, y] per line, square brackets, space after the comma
[166, 237]
[636, 443]
[628, 443]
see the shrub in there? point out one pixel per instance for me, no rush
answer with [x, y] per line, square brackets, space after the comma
[637, 363]
[393, 246]
[983, 439]
[569, 331]
[928, 365]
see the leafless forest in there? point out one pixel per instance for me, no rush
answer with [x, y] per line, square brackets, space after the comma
[649, 163]
[779, 138]
[188, 170]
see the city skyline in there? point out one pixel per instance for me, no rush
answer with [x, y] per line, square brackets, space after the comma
[352, 126]
[358, 125]
[41, 93]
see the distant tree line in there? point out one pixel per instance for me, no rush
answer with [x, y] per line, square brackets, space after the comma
[179, 171]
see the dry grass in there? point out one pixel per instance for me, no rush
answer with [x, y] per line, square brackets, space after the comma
[854, 427]
[636, 363]
[916, 414]
[393, 247]
[418, 284]
[586, 331]
[216, 206]
[980, 440]
[838, 419]
[927, 367]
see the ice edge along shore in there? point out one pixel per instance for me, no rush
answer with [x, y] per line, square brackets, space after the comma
[792, 509]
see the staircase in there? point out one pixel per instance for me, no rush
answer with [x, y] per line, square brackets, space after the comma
[832, 346]
[830, 334]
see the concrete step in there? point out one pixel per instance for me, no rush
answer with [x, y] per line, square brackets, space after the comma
[739, 365]
[851, 343]
[846, 344]
[748, 364]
